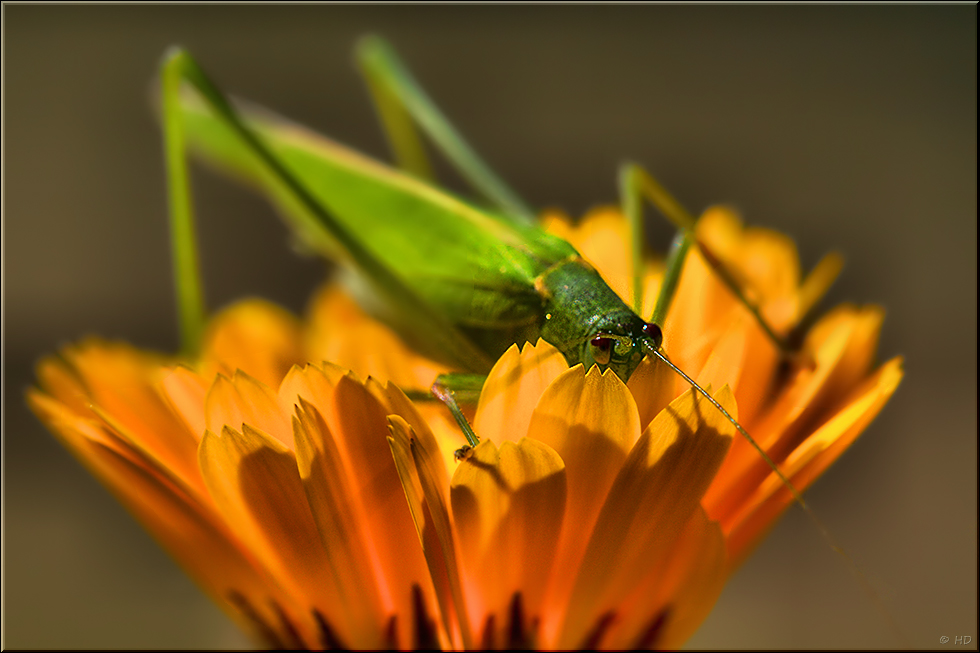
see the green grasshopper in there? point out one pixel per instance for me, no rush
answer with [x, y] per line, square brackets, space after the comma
[458, 281]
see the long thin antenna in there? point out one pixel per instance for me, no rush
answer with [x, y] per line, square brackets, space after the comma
[797, 496]
[792, 488]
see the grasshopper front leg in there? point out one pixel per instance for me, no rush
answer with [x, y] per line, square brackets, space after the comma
[451, 389]
[636, 184]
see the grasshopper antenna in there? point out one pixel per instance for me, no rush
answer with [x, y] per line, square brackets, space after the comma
[745, 434]
[797, 495]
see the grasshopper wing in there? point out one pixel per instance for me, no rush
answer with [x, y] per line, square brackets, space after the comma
[456, 281]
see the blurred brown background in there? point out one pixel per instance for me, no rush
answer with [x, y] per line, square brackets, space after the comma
[847, 127]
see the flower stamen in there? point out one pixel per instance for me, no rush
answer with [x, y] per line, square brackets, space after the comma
[592, 640]
[648, 640]
[266, 632]
[425, 631]
[518, 636]
[294, 640]
[328, 638]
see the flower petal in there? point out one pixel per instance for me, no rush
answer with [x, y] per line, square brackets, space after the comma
[340, 332]
[243, 399]
[186, 528]
[673, 597]
[818, 282]
[508, 506]
[654, 495]
[254, 481]
[427, 504]
[698, 314]
[841, 344]
[121, 384]
[351, 556]
[255, 336]
[512, 390]
[357, 420]
[394, 402]
[745, 359]
[591, 421]
[59, 380]
[653, 386]
[764, 263]
[759, 511]
[187, 392]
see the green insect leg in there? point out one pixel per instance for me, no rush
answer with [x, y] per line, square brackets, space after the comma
[400, 101]
[183, 238]
[391, 290]
[403, 138]
[451, 389]
[635, 184]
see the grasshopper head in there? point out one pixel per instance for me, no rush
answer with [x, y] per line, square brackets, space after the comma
[622, 347]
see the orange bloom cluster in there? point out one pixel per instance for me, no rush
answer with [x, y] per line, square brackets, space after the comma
[323, 509]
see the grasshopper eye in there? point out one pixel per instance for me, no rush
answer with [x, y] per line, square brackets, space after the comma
[654, 333]
[601, 349]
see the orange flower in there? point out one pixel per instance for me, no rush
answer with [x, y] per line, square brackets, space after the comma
[592, 514]
[288, 511]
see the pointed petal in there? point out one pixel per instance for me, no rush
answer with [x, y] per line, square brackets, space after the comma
[769, 266]
[512, 390]
[340, 332]
[842, 345]
[653, 385]
[187, 392]
[314, 383]
[394, 402]
[186, 528]
[255, 336]
[508, 506]
[59, 380]
[745, 359]
[764, 263]
[818, 282]
[243, 399]
[254, 482]
[760, 511]
[121, 385]
[697, 315]
[654, 495]
[354, 415]
[591, 421]
[348, 550]
[430, 515]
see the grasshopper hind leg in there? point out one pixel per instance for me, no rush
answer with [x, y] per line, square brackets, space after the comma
[191, 313]
[402, 104]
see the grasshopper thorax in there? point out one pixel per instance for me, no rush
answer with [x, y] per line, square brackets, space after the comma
[588, 322]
